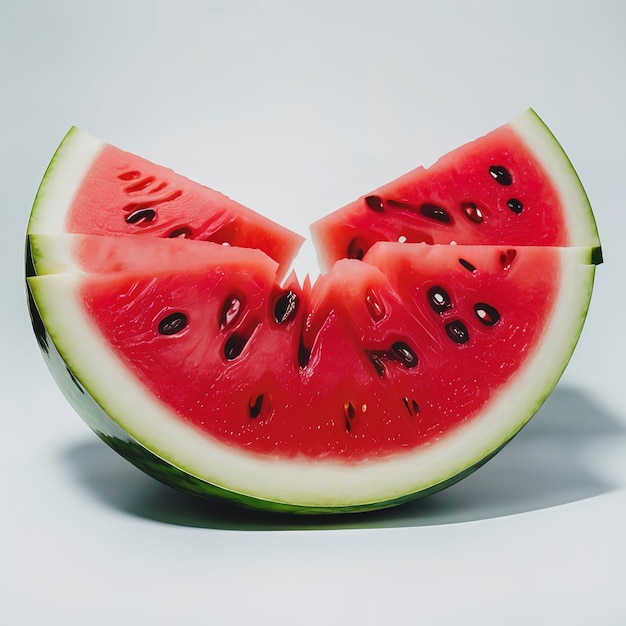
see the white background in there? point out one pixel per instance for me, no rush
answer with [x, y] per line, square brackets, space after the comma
[295, 108]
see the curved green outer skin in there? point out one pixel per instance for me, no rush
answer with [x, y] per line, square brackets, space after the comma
[125, 445]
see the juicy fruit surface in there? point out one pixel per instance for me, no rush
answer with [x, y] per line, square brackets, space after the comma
[123, 194]
[400, 370]
[378, 357]
[93, 254]
[490, 191]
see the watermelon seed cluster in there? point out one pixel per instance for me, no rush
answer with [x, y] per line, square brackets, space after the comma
[357, 247]
[148, 193]
[441, 302]
[144, 212]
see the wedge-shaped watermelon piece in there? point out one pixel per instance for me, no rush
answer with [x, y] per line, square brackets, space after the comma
[514, 186]
[94, 188]
[401, 370]
[382, 389]
[71, 253]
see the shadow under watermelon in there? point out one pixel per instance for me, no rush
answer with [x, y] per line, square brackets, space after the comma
[546, 465]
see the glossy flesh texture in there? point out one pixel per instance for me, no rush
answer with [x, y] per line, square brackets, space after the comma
[349, 419]
[94, 254]
[495, 190]
[119, 193]
[383, 369]
[398, 372]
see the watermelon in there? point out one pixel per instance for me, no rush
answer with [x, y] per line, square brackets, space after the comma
[445, 317]
[514, 186]
[95, 188]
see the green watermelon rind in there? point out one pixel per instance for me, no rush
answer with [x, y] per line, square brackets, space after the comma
[546, 148]
[67, 169]
[330, 488]
[549, 153]
[65, 172]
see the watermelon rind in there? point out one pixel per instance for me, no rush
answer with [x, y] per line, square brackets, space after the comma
[548, 151]
[105, 392]
[168, 473]
[134, 422]
[67, 169]
[577, 219]
[84, 254]
[72, 176]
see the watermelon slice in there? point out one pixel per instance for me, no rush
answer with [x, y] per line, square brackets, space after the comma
[398, 372]
[95, 188]
[514, 186]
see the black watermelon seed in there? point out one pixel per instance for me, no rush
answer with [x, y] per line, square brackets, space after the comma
[501, 175]
[486, 314]
[403, 353]
[435, 212]
[439, 299]
[412, 407]
[183, 232]
[254, 407]
[285, 307]
[304, 354]
[141, 215]
[467, 265]
[472, 212]
[356, 249]
[457, 331]
[230, 311]
[173, 323]
[234, 346]
[515, 205]
[375, 203]
[348, 409]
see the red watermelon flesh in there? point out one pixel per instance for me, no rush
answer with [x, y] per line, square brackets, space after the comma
[497, 190]
[119, 193]
[55, 254]
[400, 370]
[370, 362]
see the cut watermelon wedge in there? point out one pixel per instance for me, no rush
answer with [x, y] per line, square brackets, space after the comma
[514, 186]
[70, 253]
[94, 188]
[397, 373]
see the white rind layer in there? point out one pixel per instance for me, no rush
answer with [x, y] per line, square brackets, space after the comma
[303, 481]
[55, 254]
[547, 150]
[67, 170]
